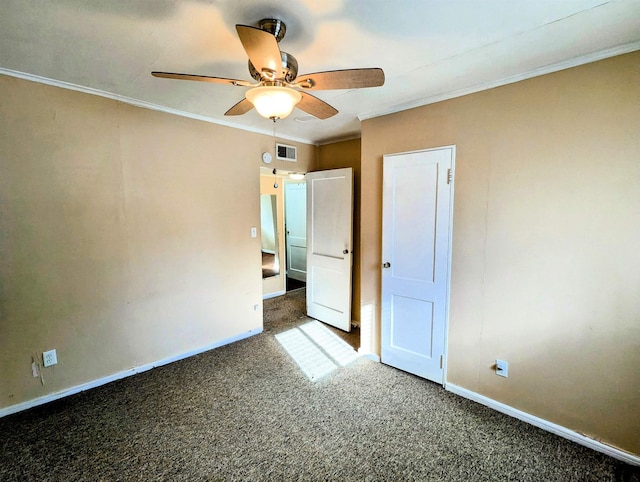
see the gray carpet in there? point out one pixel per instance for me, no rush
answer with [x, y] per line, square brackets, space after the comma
[246, 412]
[285, 312]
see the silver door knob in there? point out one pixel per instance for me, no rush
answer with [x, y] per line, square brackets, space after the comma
[386, 265]
[345, 251]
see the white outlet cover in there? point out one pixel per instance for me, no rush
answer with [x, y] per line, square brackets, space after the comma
[49, 358]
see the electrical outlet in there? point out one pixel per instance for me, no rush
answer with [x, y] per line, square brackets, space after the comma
[49, 358]
[502, 368]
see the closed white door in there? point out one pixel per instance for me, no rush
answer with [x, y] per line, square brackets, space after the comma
[416, 238]
[329, 246]
[295, 215]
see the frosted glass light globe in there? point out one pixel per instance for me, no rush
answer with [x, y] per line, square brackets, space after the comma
[273, 102]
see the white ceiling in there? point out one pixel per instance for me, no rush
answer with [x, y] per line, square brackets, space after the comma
[430, 50]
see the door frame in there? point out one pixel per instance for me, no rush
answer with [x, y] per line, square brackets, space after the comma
[447, 304]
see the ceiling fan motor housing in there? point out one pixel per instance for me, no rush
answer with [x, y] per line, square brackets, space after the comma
[289, 70]
[274, 26]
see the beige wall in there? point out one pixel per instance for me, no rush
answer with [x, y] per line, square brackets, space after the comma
[546, 237]
[335, 156]
[124, 235]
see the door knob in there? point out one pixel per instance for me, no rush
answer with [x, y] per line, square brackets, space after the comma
[345, 251]
[386, 265]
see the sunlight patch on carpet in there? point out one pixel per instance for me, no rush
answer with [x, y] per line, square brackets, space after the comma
[334, 346]
[316, 350]
[306, 354]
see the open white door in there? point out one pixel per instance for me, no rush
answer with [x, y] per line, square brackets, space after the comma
[416, 237]
[295, 218]
[329, 246]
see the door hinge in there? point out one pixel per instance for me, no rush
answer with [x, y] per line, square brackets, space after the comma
[449, 176]
[441, 361]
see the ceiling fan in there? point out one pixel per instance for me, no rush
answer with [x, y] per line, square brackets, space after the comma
[279, 88]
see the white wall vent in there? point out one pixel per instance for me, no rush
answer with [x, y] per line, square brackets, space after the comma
[286, 153]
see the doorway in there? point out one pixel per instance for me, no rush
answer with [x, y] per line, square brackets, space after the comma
[334, 195]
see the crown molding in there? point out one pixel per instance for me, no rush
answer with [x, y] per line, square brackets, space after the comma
[547, 69]
[143, 104]
[335, 140]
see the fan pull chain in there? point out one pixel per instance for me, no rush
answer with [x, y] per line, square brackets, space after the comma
[275, 179]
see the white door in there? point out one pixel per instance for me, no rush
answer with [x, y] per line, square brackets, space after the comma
[295, 215]
[416, 238]
[329, 246]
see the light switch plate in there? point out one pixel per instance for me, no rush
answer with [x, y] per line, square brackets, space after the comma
[502, 368]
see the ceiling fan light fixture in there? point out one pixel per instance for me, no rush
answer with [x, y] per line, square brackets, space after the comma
[273, 102]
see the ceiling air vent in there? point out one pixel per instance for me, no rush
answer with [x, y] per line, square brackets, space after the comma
[286, 153]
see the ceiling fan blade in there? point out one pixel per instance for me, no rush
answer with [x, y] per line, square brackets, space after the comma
[200, 78]
[262, 49]
[316, 107]
[343, 79]
[240, 108]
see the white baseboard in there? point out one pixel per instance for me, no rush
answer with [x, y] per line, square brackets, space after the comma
[274, 294]
[370, 356]
[117, 376]
[546, 425]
